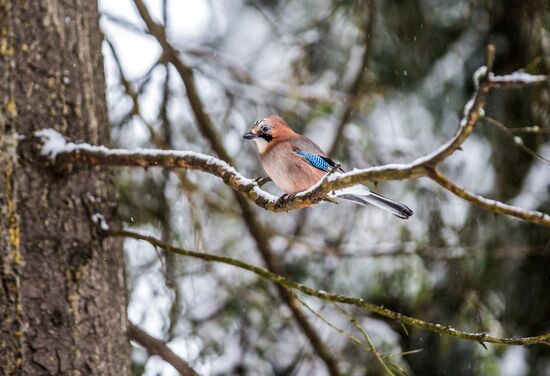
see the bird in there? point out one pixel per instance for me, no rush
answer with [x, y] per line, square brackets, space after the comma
[294, 163]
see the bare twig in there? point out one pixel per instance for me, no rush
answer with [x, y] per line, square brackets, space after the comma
[338, 298]
[157, 347]
[358, 83]
[367, 338]
[517, 140]
[491, 205]
[203, 120]
[535, 129]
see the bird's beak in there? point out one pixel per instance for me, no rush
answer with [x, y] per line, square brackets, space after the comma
[249, 136]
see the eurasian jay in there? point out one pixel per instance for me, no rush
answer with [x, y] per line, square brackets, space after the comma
[295, 163]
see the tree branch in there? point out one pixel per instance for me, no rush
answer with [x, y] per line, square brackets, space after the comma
[355, 89]
[63, 152]
[338, 298]
[491, 205]
[157, 347]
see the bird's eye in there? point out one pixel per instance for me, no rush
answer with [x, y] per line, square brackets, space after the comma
[265, 129]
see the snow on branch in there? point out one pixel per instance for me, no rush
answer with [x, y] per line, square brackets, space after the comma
[62, 151]
[517, 79]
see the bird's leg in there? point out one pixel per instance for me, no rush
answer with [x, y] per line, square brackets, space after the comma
[337, 167]
[284, 197]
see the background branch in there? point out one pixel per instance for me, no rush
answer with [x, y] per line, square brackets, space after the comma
[338, 298]
[488, 204]
[358, 84]
[157, 347]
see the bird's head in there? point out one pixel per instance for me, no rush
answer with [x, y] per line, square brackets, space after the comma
[268, 131]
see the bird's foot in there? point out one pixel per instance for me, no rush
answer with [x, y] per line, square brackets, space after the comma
[284, 198]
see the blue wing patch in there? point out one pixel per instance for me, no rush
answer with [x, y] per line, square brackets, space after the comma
[317, 161]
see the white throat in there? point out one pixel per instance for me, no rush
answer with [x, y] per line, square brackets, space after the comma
[261, 144]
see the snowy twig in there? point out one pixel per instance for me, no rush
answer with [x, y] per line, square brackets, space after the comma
[338, 298]
[517, 79]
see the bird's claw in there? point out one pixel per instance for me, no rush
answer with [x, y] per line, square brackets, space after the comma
[285, 197]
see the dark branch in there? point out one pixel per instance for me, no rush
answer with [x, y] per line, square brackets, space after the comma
[338, 298]
[157, 347]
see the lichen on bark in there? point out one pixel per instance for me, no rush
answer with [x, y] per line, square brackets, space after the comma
[11, 263]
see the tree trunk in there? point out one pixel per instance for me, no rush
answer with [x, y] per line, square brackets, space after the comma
[63, 293]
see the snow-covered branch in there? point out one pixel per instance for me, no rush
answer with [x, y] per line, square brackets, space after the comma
[62, 151]
[517, 79]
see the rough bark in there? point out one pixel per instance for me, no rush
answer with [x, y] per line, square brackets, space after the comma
[71, 294]
[11, 323]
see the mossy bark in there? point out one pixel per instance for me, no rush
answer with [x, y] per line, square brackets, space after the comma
[60, 282]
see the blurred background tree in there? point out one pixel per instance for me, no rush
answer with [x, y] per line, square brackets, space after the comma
[374, 82]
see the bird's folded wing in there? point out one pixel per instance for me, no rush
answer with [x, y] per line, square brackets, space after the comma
[318, 161]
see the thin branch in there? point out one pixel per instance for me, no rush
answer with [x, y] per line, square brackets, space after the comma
[122, 22]
[491, 205]
[367, 338]
[203, 120]
[157, 347]
[356, 341]
[358, 83]
[338, 298]
[517, 140]
[270, 259]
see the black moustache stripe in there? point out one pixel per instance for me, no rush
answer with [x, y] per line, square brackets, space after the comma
[265, 136]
